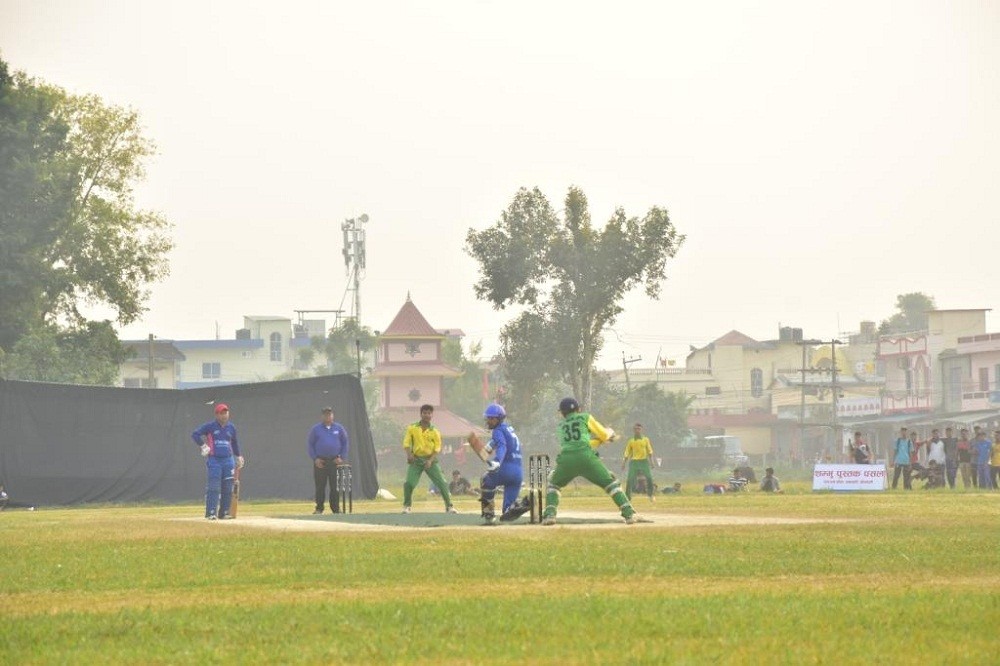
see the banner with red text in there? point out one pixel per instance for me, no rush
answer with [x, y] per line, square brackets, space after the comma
[849, 477]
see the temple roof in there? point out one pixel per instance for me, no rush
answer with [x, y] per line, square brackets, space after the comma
[410, 323]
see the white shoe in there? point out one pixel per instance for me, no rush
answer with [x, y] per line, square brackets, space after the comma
[652, 498]
[636, 518]
[549, 520]
[451, 509]
[406, 509]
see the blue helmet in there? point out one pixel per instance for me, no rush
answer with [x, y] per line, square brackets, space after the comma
[494, 411]
[568, 405]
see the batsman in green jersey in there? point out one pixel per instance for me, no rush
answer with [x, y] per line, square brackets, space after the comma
[579, 434]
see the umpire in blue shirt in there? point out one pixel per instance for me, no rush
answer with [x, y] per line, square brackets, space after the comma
[328, 448]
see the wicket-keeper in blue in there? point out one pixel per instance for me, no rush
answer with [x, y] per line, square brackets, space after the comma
[505, 467]
[221, 451]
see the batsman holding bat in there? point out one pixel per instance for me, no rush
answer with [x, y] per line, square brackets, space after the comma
[579, 434]
[504, 469]
[221, 450]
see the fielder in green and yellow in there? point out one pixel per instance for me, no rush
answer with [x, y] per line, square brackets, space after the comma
[422, 443]
[579, 434]
[638, 453]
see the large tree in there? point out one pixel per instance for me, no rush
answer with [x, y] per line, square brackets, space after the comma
[70, 233]
[570, 276]
[911, 314]
[36, 194]
[664, 415]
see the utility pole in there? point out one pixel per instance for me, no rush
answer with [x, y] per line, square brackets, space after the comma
[152, 375]
[354, 259]
[802, 407]
[834, 393]
[625, 364]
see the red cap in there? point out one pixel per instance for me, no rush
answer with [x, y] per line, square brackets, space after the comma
[221, 407]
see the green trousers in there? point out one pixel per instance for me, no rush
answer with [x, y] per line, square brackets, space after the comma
[413, 472]
[635, 468]
[571, 464]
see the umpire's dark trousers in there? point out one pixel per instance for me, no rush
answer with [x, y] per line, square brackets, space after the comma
[322, 476]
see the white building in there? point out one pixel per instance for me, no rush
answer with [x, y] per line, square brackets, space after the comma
[260, 351]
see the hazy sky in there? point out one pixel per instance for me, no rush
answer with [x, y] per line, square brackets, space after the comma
[821, 157]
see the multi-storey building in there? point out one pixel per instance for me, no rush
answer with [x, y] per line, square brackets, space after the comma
[781, 397]
[260, 351]
[926, 370]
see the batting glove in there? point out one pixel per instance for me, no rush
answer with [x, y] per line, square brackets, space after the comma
[205, 450]
[492, 465]
[240, 462]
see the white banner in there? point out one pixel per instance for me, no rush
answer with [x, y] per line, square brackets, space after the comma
[850, 477]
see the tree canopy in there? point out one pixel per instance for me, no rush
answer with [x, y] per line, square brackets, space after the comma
[570, 277]
[911, 314]
[70, 233]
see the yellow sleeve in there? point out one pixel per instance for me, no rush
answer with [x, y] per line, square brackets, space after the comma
[649, 447]
[437, 440]
[408, 438]
[599, 435]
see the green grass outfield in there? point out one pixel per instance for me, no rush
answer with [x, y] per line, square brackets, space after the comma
[897, 577]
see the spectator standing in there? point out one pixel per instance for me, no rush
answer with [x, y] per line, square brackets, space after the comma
[221, 450]
[901, 460]
[995, 461]
[859, 450]
[950, 456]
[918, 455]
[422, 443]
[965, 459]
[983, 449]
[638, 454]
[935, 449]
[328, 446]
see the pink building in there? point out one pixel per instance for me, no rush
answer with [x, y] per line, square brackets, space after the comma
[411, 369]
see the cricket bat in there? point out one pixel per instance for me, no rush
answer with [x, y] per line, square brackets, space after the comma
[477, 445]
[234, 507]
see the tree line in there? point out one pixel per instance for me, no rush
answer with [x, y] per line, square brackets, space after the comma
[70, 233]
